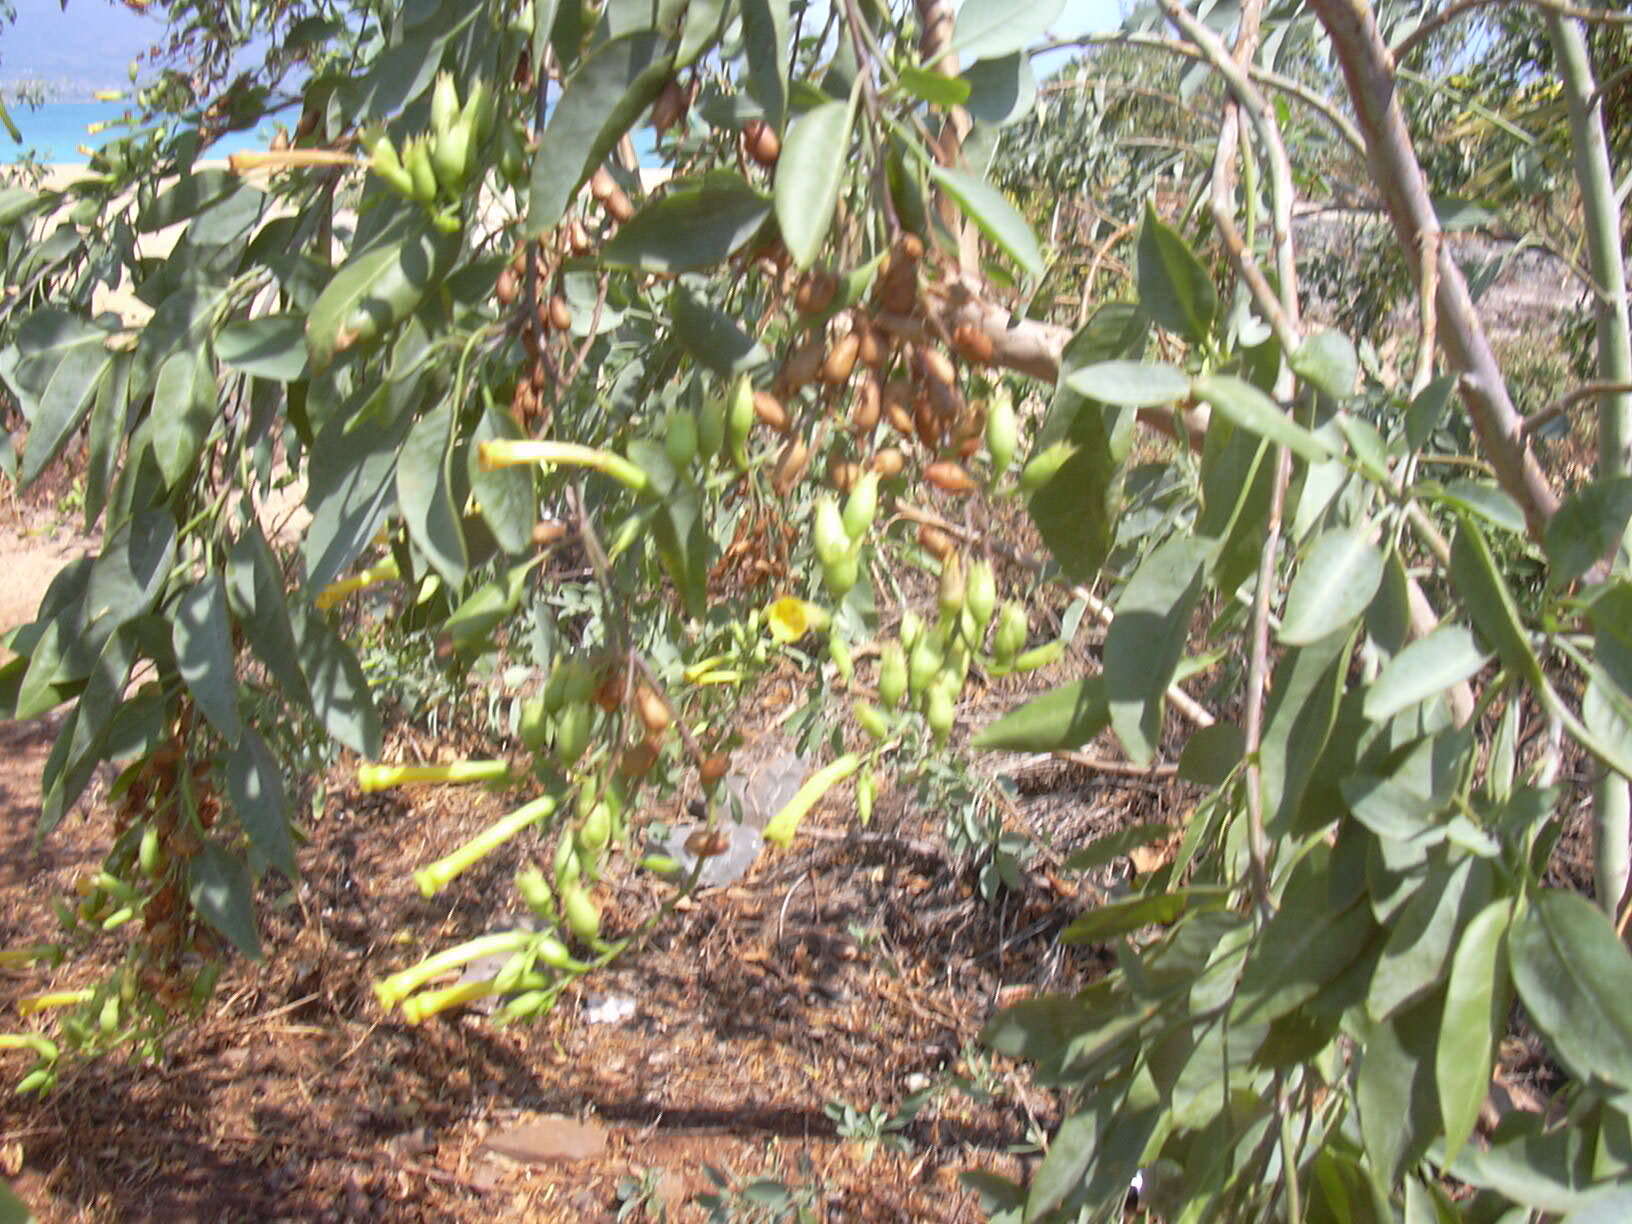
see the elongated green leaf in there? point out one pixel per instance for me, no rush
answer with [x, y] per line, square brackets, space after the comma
[188, 196]
[1608, 1205]
[767, 34]
[485, 608]
[220, 890]
[704, 20]
[1474, 574]
[335, 679]
[12, 1209]
[1328, 360]
[1485, 499]
[986, 29]
[377, 288]
[1546, 1169]
[1399, 1110]
[61, 362]
[1423, 937]
[933, 87]
[1065, 717]
[507, 496]
[202, 633]
[272, 346]
[1211, 754]
[425, 493]
[106, 433]
[1424, 669]
[1589, 527]
[1575, 977]
[183, 411]
[692, 226]
[1002, 90]
[351, 484]
[809, 173]
[255, 784]
[1174, 287]
[991, 211]
[713, 337]
[1146, 640]
[1120, 917]
[1131, 384]
[1333, 586]
[255, 593]
[1252, 410]
[1470, 1023]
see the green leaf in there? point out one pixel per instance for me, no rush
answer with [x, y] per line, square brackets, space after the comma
[767, 35]
[1472, 1019]
[1392, 809]
[991, 211]
[1425, 669]
[272, 346]
[485, 608]
[183, 404]
[1399, 1112]
[1076, 510]
[255, 784]
[809, 174]
[1002, 90]
[1146, 640]
[1064, 717]
[1103, 850]
[185, 198]
[1528, 1163]
[704, 21]
[1120, 917]
[1252, 410]
[1609, 1205]
[713, 337]
[1174, 288]
[1474, 574]
[1427, 410]
[1328, 361]
[987, 29]
[1575, 978]
[679, 529]
[1588, 528]
[61, 360]
[221, 891]
[1456, 213]
[377, 288]
[12, 1209]
[935, 88]
[507, 497]
[1333, 586]
[1211, 754]
[1423, 936]
[425, 493]
[350, 483]
[106, 434]
[1130, 384]
[202, 633]
[692, 226]
[1484, 498]
[337, 684]
[255, 593]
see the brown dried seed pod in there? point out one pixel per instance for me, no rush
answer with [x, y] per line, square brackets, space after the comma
[790, 466]
[560, 313]
[875, 348]
[935, 542]
[889, 463]
[969, 447]
[539, 376]
[772, 411]
[842, 473]
[761, 142]
[706, 843]
[927, 423]
[815, 291]
[547, 532]
[578, 238]
[619, 207]
[670, 106]
[638, 759]
[947, 401]
[935, 364]
[950, 477]
[898, 292]
[803, 364]
[972, 343]
[609, 693]
[867, 405]
[841, 360]
[713, 769]
[909, 247]
[508, 287]
[652, 710]
[602, 184]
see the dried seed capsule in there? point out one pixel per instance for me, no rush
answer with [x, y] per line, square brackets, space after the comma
[841, 360]
[935, 542]
[713, 769]
[772, 411]
[652, 709]
[803, 364]
[508, 287]
[949, 477]
[972, 343]
[875, 349]
[898, 403]
[670, 106]
[927, 423]
[761, 142]
[816, 291]
[560, 313]
[790, 466]
[935, 364]
[842, 473]
[889, 463]
[867, 404]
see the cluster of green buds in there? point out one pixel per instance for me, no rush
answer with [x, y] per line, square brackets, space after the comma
[838, 533]
[435, 166]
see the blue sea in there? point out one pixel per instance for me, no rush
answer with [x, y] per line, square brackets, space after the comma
[58, 132]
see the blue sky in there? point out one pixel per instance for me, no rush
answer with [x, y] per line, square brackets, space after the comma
[93, 42]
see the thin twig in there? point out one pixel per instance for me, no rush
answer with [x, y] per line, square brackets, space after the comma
[1570, 399]
[1451, 12]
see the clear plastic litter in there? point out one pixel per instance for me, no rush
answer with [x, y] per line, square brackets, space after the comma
[743, 847]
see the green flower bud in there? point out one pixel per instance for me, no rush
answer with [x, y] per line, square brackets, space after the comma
[1045, 465]
[862, 506]
[980, 593]
[680, 439]
[892, 675]
[952, 587]
[1010, 635]
[872, 720]
[1002, 432]
[923, 665]
[827, 532]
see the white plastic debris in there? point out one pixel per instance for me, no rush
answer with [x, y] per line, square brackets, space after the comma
[608, 1009]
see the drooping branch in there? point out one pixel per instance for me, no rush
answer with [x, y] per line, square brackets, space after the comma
[1369, 72]
[1451, 12]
